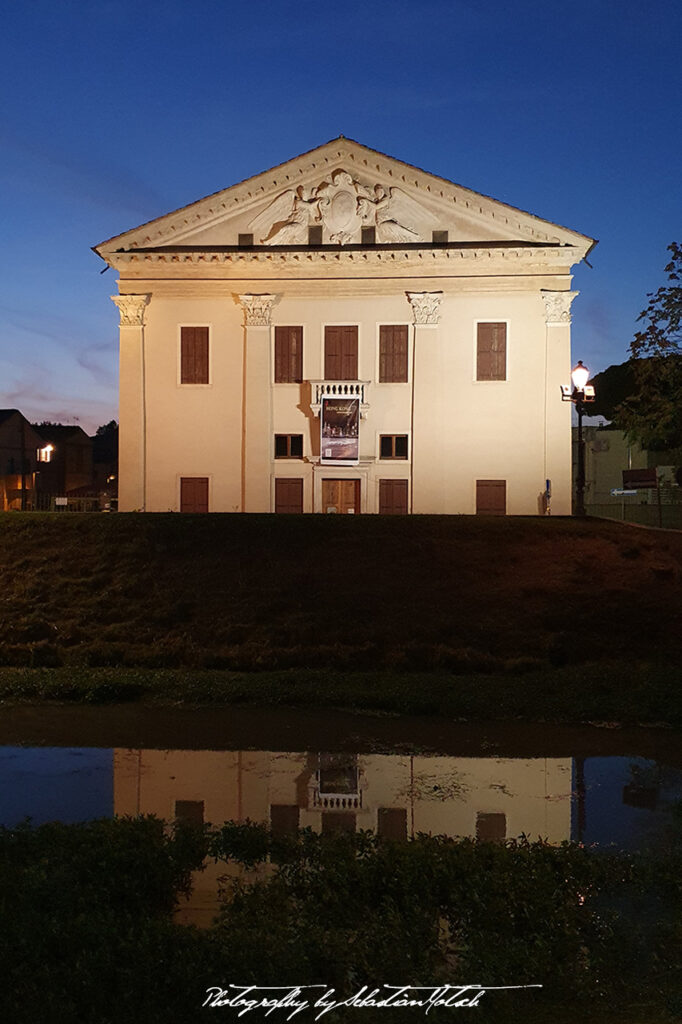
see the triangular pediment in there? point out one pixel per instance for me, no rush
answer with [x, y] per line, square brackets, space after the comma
[340, 189]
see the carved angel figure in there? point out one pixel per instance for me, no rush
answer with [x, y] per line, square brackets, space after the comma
[287, 218]
[391, 213]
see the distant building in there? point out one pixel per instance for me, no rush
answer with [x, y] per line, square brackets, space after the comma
[22, 453]
[345, 333]
[70, 467]
[607, 454]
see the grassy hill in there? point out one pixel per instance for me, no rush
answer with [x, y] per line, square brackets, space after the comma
[455, 594]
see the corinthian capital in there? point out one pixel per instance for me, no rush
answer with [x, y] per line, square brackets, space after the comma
[257, 309]
[131, 308]
[557, 307]
[425, 306]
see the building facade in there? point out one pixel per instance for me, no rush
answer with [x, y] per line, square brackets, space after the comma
[346, 333]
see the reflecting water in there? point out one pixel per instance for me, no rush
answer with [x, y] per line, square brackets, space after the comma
[543, 789]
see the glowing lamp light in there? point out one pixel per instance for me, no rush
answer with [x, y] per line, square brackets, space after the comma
[580, 376]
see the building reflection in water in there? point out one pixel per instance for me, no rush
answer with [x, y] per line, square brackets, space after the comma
[394, 795]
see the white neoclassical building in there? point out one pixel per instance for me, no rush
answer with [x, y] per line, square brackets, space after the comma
[345, 332]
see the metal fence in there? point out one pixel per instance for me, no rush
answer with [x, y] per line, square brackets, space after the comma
[90, 502]
[648, 507]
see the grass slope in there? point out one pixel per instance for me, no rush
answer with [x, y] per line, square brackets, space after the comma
[463, 596]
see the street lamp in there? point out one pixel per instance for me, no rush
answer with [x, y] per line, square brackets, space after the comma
[581, 393]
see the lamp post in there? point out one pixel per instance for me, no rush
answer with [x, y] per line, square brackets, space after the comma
[579, 395]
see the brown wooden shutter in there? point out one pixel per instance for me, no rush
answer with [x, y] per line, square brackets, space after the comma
[392, 822]
[393, 497]
[337, 821]
[194, 355]
[393, 353]
[288, 495]
[491, 828]
[491, 351]
[194, 494]
[190, 811]
[491, 497]
[341, 353]
[284, 819]
[288, 355]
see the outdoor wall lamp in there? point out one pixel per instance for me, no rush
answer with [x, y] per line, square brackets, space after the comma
[580, 393]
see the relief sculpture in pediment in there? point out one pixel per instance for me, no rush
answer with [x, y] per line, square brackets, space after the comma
[342, 205]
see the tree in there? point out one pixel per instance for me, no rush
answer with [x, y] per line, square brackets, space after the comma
[652, 415]
[105, 443]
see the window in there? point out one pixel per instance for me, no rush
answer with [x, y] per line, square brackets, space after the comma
[491, 351]
[368, 236]
[315, 234]
[284, 819]
[491, 828]
[288, 446]
[439, 236]
[245, 239]
[194, 355]
[491, 497]
[337, 821]
[393, 498]
[194, 494]
[341, 353]
[190, 811]
[45, 454]
[392, 822]
[393, 446]
[288, 355]
[288, 495]
[393, 353]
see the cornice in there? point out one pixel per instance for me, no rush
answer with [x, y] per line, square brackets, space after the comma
[448, 259]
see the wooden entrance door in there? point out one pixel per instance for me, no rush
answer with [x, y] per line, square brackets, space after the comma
[341, 496]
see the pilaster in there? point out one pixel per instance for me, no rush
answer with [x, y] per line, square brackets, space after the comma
[557, 413]
[132, 405]
[428, 400]
[257, 439]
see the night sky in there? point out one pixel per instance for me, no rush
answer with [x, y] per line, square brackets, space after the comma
[114, 113]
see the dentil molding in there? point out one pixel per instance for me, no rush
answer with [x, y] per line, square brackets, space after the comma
[131, 308]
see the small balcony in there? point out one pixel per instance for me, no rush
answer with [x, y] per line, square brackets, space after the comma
[335, 786]
[320, 389]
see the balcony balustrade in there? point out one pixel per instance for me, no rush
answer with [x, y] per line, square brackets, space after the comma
[339, 389]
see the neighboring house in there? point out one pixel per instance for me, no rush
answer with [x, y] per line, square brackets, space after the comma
[70, 467]
[21, 453]
[607, 453]
[346, 333]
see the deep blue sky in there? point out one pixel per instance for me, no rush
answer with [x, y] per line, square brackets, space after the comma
[116, 112]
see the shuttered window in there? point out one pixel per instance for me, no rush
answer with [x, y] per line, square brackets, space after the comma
[190, 811]
[392, 822]
[393, 353]
[393, 497]
[341, 353]
[194, 355]
[288, 355]
[284, 819]
[288, 495]
[491, 497]
[491, 828]
[194, 494]
[491, 351]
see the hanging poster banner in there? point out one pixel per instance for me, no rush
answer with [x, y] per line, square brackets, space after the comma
[339, 425]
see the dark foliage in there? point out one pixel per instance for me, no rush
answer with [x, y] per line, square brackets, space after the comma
[652, 415]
